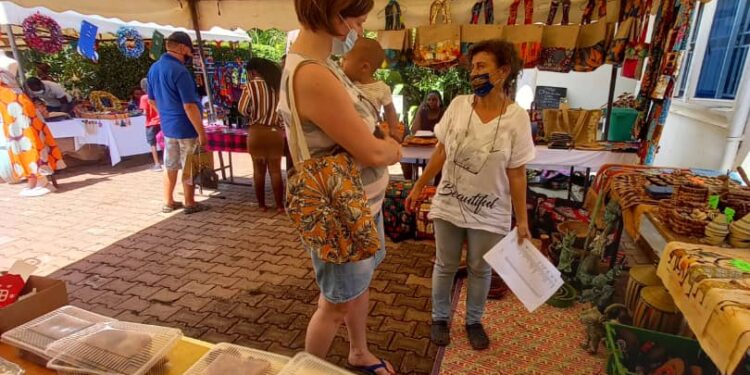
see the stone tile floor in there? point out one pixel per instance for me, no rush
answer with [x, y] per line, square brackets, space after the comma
[231, 274]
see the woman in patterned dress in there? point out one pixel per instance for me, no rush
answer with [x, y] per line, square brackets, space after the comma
[27, 147]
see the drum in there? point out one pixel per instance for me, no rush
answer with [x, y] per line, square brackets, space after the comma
[656, 311]
[640, 277]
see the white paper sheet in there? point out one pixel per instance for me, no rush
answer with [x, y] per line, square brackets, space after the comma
[424, 134]
[531, 277]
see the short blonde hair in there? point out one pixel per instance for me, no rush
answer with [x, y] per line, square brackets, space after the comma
[321, 14]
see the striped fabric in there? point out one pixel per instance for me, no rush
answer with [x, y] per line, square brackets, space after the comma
[258, 104]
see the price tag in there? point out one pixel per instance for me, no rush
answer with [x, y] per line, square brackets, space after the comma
[713, 202]
[741, 265]
[729, 212]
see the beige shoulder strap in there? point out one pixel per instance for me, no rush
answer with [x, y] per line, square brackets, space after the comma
[297, 143]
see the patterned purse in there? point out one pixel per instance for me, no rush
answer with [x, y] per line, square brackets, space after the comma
[527, 37]
[591, 47]
[326, 200]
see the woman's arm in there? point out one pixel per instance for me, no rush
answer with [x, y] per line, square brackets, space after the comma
[417, 125]
[323, 100]
[433, 168]
[392, 118]
[517, 179]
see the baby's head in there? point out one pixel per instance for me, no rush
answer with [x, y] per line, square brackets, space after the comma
[363, 60]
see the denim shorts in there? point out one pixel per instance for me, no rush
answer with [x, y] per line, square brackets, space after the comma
[340, 283]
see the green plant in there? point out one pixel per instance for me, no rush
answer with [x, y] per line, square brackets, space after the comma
[70, 69]
[268, 44]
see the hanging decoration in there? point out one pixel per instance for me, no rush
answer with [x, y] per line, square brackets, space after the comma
[130, 42]
[157, 45]
[87, 41]
[33, 26]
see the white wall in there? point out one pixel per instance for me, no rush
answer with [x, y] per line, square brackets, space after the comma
[690, 143]
[587, 90]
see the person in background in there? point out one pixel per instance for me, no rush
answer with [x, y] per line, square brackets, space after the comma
[171, 91]
[484, 144]
[265, 136]
[153, 124]
[334, 116]
[429, 113]
[43, 72]
[57, 99]
[28, 149]
[135, 98]
[360, 65]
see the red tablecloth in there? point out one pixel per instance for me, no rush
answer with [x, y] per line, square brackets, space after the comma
[222, 138]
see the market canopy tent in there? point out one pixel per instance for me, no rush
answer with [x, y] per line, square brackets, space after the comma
[70, 22]
[264, 14]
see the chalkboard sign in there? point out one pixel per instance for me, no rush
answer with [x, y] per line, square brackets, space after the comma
[549, 96]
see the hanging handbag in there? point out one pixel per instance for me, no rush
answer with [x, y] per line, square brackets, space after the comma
[591, 46]
[580, 124]
[489, 12]
[621, 40]
[201, 167]
[438, 46]
[637, 51]
[393, 17]
[471, 34]
[395, 43]
[527, 37]
[326, 201]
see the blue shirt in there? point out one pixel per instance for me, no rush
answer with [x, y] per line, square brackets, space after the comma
[171, 85]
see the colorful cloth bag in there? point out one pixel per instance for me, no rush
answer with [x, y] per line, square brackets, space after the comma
[527, 37]
[326, 201]
[591, 46]
[400, 225]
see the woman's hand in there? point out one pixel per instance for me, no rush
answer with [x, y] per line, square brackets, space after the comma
[523, 232]
[412, 201]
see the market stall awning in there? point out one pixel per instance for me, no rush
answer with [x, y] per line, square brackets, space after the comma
[264, 14]
[70, 21]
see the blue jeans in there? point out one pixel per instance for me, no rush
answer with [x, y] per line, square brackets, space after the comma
[449, 240]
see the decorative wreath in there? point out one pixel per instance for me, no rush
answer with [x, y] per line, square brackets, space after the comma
[130, 42]
[45, 44]
[104, 101]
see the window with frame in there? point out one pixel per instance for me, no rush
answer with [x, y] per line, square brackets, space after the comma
[687, 55]
[725, 52]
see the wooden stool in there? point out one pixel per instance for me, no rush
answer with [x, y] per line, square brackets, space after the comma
[640, 277]
[656, 311]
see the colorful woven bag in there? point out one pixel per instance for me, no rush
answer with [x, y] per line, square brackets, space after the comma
[326, 200]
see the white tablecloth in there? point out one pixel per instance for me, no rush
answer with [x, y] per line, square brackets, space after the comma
[121, 140]
[549, 159]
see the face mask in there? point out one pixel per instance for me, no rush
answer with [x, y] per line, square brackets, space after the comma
[38, 93]
[340, 47]
[481, 84]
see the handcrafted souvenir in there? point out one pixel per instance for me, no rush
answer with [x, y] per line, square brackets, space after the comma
[594, 322]
[87, 41]
[558, 48]
[440, 9]
[639, 278]
[394, 19]
[48, 44]
[130, 42]
[438, 45]
[621, 40]
[590, 47]
[528, 7]
[399, 224]
[104, 101]
[656, 311]
[527, 37]
[489, 12]
[396, 45]
[553, 12]
[471, 34]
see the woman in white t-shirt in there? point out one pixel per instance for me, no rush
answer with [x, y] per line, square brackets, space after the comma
[484, 144]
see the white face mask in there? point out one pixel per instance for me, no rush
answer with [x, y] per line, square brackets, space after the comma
[342, 47]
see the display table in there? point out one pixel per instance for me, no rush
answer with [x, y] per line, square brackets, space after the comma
[711, 287]
[185, 354]
[121, 140]
[223, 139]
[545, 158]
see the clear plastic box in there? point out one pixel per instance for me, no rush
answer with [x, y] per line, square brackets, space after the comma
[223, 350]
[35, 336]
[308, 364]
[113, 348]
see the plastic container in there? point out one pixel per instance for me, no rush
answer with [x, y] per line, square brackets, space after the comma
[35, 336]
[113, 348]
[621, 124]
[677, 346]
[307, 364]
[222, 350]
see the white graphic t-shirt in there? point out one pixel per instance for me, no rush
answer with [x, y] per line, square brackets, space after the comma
[474, 192]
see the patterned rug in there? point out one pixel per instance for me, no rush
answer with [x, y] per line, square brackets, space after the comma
[544, 342]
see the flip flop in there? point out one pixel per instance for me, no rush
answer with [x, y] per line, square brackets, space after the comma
[168, 208]
[371, 369]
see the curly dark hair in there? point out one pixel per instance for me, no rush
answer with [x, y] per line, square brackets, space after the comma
[505, 54]
[268, 70]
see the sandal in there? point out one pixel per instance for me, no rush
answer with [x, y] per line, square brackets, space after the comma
[168, 208]
[371, 369]
[197, 207]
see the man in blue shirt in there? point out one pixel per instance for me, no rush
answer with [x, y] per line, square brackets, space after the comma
[172, 92]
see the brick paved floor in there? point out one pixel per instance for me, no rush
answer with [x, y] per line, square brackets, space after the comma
[231, 274]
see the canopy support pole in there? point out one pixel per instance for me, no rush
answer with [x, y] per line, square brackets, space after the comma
[207, 82]
[16, 54]
[610, 100]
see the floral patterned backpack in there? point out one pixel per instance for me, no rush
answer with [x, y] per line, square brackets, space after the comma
[326, 200]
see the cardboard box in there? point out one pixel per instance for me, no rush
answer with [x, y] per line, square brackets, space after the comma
[50, 294]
